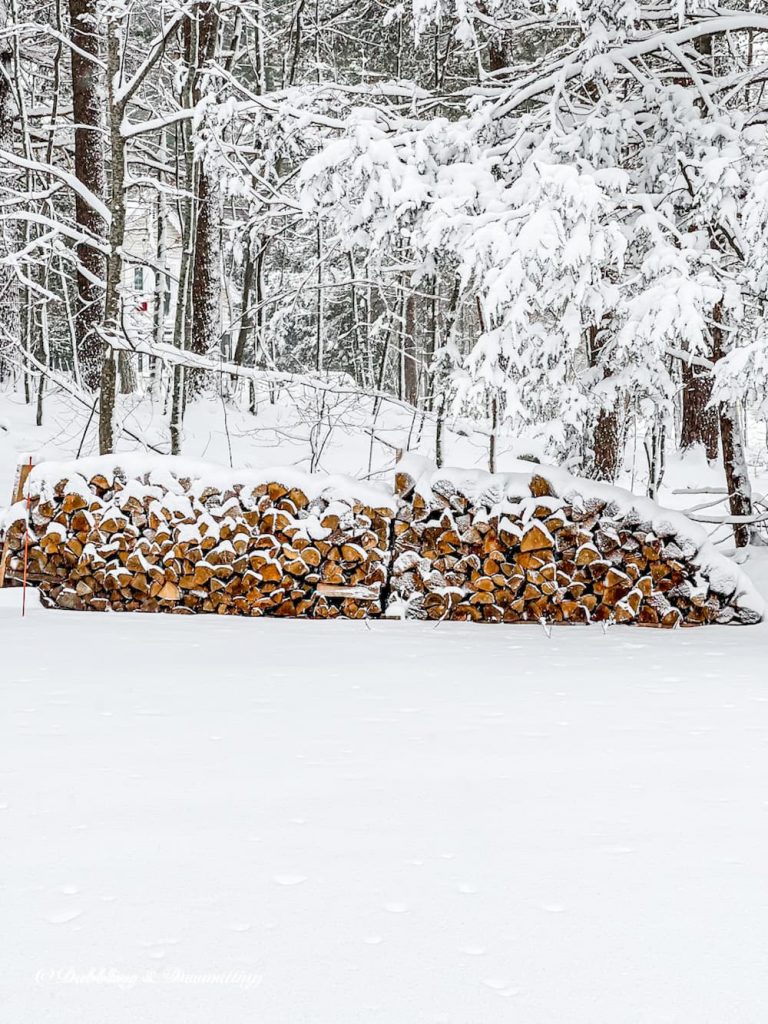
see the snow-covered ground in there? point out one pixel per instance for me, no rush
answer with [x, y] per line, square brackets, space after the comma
[241, 821]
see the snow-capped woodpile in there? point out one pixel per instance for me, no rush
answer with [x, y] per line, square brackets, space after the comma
[536, 545]
[162, 540]
[527, 547]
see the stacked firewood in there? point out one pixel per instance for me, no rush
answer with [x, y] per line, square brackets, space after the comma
[536, 556]
[446, 546]
[168, 543]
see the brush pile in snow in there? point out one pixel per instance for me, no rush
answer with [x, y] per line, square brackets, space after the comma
[165, 540]
[521, 547]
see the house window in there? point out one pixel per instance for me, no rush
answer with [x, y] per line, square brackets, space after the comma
[138, 279]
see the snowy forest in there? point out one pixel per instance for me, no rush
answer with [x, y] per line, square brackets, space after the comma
[541, 225]
[384, 511]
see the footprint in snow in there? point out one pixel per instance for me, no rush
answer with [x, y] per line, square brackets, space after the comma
[553, 908]
[467, 890]
[290, 879]
[373, 940]
[240, 927]
[473, 950]
[63, 917]
[500, 987]
[396, 908]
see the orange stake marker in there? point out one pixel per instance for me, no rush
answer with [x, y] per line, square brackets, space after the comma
[26, 550]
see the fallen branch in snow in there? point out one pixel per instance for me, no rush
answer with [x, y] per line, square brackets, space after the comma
[729, 520]
[725, 519]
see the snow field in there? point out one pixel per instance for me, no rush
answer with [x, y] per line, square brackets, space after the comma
[206, 820]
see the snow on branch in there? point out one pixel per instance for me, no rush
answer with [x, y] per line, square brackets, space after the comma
[571, 69]
[66, 177]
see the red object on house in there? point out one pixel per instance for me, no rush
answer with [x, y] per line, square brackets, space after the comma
[143, 307]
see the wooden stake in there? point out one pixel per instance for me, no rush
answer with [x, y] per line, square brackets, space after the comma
[22, 473]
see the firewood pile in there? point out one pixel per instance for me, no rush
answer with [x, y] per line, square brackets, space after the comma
[157, 542]
[531, 555]
[522, 547]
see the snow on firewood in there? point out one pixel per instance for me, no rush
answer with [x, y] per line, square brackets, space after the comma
[165, 535]
[539, 544]
[135, 533]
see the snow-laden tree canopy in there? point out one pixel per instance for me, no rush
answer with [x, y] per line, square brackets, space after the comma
[614, 188]
[548, 216]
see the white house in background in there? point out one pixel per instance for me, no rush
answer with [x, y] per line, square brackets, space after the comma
[140, 274]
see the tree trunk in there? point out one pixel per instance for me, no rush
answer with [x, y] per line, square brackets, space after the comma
[10, 325]
[108, 393]
[606, 437]
[699, 422]
[246, 319]
[656, 451]
[206, 298]
[734, 461]
[492, 440]
[606, 445]
[736, 474]
[206, 295]
[409, 357]
[87, 106]
[320, 310]
[162, 283]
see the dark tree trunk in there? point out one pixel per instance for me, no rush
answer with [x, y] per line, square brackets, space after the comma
[87, 106]
[607, 434]
[699, 422]
[734, 461]
[112, 360]
[495, 44]
[206, 286]
[606, 445]
[205, 277]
